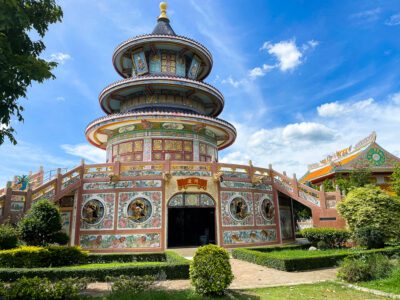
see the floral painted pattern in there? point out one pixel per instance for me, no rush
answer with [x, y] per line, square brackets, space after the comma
[117, 241]
[229, 219]
[125, 202]
[107, 221]
[249, 236]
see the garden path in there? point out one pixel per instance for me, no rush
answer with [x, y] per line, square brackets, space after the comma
[248, 275]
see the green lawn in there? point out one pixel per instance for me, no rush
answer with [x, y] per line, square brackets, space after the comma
[389, 285]
[113, 265]
[326, 291]
[298, 253]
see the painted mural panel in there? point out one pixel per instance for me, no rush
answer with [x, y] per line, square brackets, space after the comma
[180, 66]
[139, 210]
[245, 185]
[97, 211]
[237, 209]
[194, 68]
[264, 209]
[249, 236]
[65, 221]
[122, 184]
[120, 241]
[140, 62]
[155, 62]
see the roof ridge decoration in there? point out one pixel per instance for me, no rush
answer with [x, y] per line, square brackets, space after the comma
[163, 26]
[343, 153]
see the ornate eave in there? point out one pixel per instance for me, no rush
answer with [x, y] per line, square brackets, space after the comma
[125, 86]
[179, 42]
[97, 132]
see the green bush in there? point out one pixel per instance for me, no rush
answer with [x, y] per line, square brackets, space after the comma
[305, 260]
[60, 238]
[365, 268]
[371, 207]
[125, 257]
[210, 271]
[41, 224]
[130, 285]
[175, 267]
[43, 289]
[326, 237]
[369, 237]
[33, 257]
[8, 237]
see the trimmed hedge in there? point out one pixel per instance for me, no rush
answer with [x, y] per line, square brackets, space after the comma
[126, 257]
[175, 267]
[326, 237]
[290, 264]
[36, 257]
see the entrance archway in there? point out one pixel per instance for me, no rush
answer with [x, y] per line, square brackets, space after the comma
[191, 220]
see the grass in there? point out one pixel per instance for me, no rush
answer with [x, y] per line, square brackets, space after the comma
[113, 265]
[287, 254]
[325, 290]
[389, 285]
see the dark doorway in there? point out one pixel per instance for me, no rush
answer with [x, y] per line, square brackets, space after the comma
[191, 226]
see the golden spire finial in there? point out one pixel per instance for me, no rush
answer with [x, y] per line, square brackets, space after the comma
[163, 9]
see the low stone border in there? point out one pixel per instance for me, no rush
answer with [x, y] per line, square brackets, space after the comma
[371, 291]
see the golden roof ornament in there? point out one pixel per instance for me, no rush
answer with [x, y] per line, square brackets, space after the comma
[163, 9]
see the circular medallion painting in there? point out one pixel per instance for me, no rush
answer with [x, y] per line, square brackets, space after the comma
[239, 209]
[376, 157]
[267, 209]
[93, 211]
[139, 210]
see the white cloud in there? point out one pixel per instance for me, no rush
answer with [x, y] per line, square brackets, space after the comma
[286, 52]
[60, 98]
[395, 98]
[308, 131]
[232, 82]
[367, 15]
[260, 71]
[394, 20]
[60, 57]
[88, 152]
[336, 109]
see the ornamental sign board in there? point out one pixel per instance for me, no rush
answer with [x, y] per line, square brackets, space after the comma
[192, 181]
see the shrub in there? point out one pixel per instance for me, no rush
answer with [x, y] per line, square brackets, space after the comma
[210, 271]
[41, 224]
[43, 289]
[126, 257]
[128, 285]
[371, 207]
[175, 267]
[369, 237]
[33, 257]
[364, 268]
[8, 237]
[60, 238]
[326, 237]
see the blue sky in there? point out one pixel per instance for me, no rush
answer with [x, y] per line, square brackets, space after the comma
[301, 79]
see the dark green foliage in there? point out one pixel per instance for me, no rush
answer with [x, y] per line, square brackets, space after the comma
[210, 271]
[175, 267]
[60, 238]
[358, 177]
[34, 257]
[326, 237]
[329, 185]
[369, 237]
[292, 264]
[130, 285]
[43, 289]
[20, 61]
[365, 268]
[126, 257]
[41, 224]
[370, 207]
[8, 237]
[395, 179]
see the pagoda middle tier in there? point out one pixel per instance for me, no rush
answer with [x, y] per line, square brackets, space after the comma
[161, 110]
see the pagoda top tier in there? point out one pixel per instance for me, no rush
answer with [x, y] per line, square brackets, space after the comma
[162, 53]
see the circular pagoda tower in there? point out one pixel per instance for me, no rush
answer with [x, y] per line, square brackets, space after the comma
[161, 109]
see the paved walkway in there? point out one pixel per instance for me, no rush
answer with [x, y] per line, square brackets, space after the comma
[248, 275]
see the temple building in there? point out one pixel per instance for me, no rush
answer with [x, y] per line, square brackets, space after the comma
[365, 154]
[162, 185]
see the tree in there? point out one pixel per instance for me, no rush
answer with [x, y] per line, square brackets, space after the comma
[41, 225]
[371, 214]
[19, 55]
[358, 177]
[395, 179]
